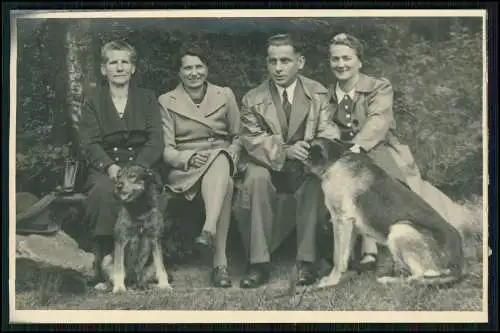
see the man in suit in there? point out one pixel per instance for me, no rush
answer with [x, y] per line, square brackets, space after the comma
[277, 119]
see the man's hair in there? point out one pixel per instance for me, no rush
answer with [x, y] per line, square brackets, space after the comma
[118, 45]
[192, 49]
[285, 39]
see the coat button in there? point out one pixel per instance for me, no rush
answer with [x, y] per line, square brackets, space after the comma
[130, 158]
[115, 149]
[346, 107]
[130, 148]
[351, 133]
[117, 159]
[349, 124]
[348, 116]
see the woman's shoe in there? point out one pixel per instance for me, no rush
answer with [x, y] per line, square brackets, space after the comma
[220, 277]
[204, 246]
[205, 241]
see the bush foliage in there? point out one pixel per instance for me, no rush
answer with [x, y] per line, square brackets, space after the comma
[435, 66]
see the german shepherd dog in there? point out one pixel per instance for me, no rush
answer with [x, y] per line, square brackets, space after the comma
[139, 229]
[363, 199]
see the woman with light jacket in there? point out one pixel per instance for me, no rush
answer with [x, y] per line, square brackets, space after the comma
[363, 112]
[200, 126]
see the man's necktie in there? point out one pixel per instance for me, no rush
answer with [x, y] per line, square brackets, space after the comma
[287, 107]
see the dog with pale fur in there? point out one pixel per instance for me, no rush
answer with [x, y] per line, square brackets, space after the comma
[363, 199]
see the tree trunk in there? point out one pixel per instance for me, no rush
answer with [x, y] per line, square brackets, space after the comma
[80, 74]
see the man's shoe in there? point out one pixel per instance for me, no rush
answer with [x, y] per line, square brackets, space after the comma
[220, 277]
[256, 276]
[306, 274]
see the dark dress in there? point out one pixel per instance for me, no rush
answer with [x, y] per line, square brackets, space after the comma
[108, 139]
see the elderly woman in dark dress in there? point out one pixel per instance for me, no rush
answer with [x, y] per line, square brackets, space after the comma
[120, 123]
[201, 124]
[363, 111]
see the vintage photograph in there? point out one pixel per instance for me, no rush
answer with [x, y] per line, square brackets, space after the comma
[300, 162]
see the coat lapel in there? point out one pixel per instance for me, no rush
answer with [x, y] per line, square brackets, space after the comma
[300, 109]
[180, 103]
[112, 122]
[214, 99]
[365, 84]
[265, 107]
[134, 116]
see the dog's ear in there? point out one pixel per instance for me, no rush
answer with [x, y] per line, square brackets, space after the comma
[150, 175]
[317, 152]
[154, 178]
[120, 172]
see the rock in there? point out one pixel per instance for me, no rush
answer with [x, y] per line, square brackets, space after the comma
[55, 260]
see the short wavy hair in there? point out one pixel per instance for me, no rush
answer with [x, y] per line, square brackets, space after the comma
[192, 49]
[350, 41]
[118, 45]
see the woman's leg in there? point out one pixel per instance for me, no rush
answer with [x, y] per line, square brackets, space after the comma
[214, 186]
[217, 194]
[220, 258]
[101, 212]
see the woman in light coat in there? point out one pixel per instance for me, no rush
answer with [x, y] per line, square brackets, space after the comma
[200, 126]
[363, 111]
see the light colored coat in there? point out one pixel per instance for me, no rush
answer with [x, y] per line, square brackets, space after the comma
[187, 129]
[264, 140]
[373, 126]
[261, 133]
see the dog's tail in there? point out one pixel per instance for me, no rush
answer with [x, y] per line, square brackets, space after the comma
[443, 279]
[452, 244]
[447, 236]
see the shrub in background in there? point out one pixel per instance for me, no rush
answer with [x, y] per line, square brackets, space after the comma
[436, 75]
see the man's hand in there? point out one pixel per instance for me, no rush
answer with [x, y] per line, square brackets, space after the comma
[299, 151]
[113, 171]
[199, 159]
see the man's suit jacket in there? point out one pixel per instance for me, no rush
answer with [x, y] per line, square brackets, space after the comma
[262, 135]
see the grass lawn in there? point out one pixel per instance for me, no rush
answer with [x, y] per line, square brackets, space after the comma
[192, 291]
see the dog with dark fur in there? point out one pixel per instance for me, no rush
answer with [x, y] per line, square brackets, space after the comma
[364, 200]
[138, 230]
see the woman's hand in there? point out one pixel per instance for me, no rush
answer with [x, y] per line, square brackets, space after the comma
[299, 151]
[113, 171]
[199, 159]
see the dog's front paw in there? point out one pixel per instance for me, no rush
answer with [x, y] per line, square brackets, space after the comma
[119, 289]
[101, 286]
[385, 279]
[330, 280]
